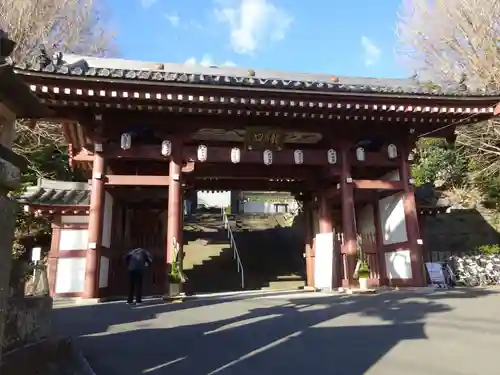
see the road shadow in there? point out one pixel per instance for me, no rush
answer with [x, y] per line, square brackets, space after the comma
[298, 334]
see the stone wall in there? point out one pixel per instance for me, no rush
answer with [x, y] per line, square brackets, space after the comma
[459, 231]
[28, 320]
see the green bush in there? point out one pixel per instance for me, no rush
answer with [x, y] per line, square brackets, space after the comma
[437, 160]
[175, 275]
[364, 271]
[489, 249]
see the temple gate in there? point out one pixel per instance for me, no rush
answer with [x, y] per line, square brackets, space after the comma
[342, 146]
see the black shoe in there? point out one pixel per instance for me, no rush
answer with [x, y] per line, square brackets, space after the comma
[130, 303]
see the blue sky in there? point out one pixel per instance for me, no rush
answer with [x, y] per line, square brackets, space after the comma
[338, 37]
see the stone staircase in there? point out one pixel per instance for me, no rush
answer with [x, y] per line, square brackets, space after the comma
[208, 260]
[271, 254]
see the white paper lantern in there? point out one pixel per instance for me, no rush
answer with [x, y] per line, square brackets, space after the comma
[298, 156]
[202, 153]
[166, 148]
[332, 156]
[235, 155]
[360, 154]
[126, 141]
[268, 157]
[392, 151]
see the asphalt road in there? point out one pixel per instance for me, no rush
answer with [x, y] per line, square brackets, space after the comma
[411, 333]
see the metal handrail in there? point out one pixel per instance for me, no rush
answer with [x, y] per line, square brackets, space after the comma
[232, 244]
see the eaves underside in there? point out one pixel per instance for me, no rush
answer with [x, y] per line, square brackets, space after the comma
[307, 89]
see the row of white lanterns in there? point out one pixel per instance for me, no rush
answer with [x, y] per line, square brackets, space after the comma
[267, 155]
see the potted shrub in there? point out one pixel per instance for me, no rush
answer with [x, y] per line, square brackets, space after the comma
[176, 277]
[174, 281]
[363, 275]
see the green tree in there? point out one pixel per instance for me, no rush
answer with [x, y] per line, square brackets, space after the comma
[440, 164]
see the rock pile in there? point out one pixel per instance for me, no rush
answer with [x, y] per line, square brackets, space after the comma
[472, 270]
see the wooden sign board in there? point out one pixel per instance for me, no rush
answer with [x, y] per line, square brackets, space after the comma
[262, 138]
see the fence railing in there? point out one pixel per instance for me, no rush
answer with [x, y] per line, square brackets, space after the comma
[232, 244]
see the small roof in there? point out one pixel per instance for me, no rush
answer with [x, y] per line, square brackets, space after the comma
[85, 67]
[51, 193]
[57, 193]
[427, 196]
[429, 200]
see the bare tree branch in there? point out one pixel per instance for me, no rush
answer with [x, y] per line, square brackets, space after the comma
[68, 26]
[446, 41]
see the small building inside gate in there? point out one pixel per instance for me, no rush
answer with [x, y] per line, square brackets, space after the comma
[150, 135]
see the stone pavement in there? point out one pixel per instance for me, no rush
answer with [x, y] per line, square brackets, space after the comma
[400, 332]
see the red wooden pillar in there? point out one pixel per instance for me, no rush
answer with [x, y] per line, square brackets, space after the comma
[379, 236]
[411, 220]
[96, 218]
[324, 216]
[174, 204]
[348, 215]
[309, 253]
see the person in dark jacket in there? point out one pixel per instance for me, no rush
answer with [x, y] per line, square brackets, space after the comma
[137, 261]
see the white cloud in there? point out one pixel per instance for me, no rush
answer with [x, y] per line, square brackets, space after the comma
[252, 23]
[190, 61]
[147, 3]
[371, 53]
[207, 60]
[173, 19]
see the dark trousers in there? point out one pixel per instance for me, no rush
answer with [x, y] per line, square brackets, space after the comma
[135, 286]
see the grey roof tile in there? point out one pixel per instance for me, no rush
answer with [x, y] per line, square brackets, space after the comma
[92, 67]
[61, 193]
[427, 196]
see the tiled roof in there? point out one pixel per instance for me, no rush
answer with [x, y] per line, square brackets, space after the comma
[57, 193]
[169, 73]
[427, 196]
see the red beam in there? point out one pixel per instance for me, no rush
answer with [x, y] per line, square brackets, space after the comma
[223, 155]
[255, 185]
[129, 180]
[359, 185]
[85, 156]
[229, 170]
[378, 185]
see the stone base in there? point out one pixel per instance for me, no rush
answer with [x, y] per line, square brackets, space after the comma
[8, 211]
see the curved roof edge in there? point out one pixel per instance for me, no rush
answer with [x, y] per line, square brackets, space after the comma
[56, 193]
[86, 67]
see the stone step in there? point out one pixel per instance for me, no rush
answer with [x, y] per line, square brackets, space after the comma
[285, 285]
[197, 255]
[290, 278]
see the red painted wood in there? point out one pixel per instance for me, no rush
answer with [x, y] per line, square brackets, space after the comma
[174, 204]
[96, 218]
[348, 215]
[380, 242]
[411, 221]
